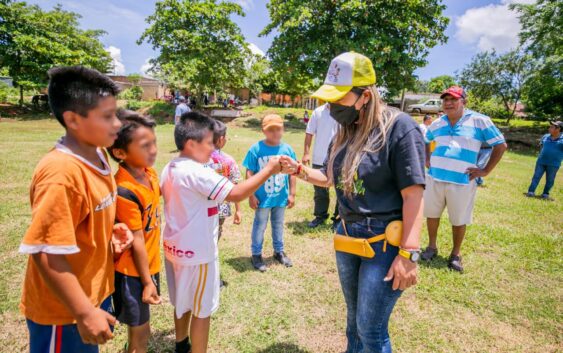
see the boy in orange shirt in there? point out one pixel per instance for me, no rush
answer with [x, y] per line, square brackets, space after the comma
[69, 278]
[137, 282]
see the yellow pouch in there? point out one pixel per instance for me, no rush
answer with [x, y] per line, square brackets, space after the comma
[362, 247]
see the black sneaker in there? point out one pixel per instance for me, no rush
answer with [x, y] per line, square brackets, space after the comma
[222, 284]
[454, 263]
[258, 263]
[183, 347]
[282, 258]
[316, 222]
[335, 223]
[429, 254]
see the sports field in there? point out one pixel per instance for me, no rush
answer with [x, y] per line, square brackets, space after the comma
[508, 300]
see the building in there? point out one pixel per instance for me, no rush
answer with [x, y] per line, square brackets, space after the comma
[152, 89]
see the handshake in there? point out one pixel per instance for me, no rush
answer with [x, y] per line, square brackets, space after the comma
[283, 164]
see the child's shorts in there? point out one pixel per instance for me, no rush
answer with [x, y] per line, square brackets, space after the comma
[193, 288]
[61, 338]
[128, 299]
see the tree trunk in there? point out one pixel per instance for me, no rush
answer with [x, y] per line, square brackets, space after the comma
[403, 100]
[21, 96]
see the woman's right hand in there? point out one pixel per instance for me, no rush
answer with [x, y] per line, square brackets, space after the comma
[289, 165]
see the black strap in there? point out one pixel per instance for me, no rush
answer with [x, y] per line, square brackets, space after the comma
[130, 195]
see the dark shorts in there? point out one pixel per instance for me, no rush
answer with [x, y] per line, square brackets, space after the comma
[127, 299]
[61, 338]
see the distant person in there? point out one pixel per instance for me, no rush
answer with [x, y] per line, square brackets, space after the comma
[426, 121]
[323, 127]
[181, 108]
[549, 160]
[306, 117]
[440, 113]
[459, 134]
[205, 99]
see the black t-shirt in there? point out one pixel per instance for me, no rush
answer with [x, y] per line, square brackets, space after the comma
[382, 175]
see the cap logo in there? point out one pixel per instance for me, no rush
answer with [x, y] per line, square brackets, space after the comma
[333, 73]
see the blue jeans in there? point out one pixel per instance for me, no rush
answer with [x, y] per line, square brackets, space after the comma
[482, 160]
[550, 173]
[369, 300]
[259, 228]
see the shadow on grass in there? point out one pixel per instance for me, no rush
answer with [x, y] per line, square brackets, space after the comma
[302, 228]
[240, 264]
[162, 341]
[283, 348]
[439, 262]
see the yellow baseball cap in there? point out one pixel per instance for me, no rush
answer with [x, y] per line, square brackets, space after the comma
[347, 70]
[272, 120]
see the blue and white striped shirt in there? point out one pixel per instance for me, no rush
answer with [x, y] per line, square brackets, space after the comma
[457, 146]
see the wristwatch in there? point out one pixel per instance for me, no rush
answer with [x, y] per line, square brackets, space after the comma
[412, 255]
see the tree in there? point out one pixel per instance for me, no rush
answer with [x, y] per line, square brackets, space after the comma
[490, 75]
[33, 40]
[395, 35]
[541, 36]
[200, 47]
[440, 83]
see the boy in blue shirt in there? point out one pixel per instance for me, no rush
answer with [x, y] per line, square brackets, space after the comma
[277, 193]
[549, 160]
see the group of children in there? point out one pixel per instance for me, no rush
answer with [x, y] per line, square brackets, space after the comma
[94, 238]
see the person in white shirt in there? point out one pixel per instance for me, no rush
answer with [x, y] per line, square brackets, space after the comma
[181, 108]
[426, 121]
[192, 194]
[323, 127]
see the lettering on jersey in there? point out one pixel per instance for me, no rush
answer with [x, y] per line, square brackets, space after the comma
[107, 201]
[180, 253]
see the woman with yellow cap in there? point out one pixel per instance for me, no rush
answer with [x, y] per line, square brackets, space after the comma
[376, 163]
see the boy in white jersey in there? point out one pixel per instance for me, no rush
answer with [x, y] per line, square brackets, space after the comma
[192, 193]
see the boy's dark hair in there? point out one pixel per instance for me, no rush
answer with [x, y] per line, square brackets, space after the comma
[130, 121]
[426, 117]
[219, 130]
[77, 89]
[192, 126]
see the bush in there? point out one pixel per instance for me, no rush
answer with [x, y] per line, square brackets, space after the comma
[7, 93]
[133, 93]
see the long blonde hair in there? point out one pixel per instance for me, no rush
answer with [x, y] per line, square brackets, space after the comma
[367, 136]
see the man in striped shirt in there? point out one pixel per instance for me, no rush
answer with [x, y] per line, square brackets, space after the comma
[450, 182]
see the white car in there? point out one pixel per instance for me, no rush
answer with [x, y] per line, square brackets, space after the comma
[430, 106]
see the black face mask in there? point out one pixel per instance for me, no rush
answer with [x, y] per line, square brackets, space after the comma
[345, 114]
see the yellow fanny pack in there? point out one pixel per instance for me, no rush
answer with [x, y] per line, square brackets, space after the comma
[361, 247]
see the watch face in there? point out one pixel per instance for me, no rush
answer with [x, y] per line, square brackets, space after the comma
[415, 256]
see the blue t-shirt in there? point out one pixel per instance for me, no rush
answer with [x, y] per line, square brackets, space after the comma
[275, 191]
[552, 151]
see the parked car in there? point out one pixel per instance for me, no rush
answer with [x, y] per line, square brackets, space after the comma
[430, 106]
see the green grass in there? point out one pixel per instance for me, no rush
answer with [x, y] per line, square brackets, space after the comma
[509, 299]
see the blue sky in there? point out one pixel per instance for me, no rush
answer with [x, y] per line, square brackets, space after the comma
[475, 25]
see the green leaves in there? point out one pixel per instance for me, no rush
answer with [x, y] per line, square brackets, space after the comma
[33, 40]
[201, 48]
[395, 35]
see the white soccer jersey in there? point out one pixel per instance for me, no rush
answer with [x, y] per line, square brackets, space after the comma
[192, 193]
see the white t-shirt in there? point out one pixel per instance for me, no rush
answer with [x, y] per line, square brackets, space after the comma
[192, 193]
[423, 128]
[323, 127]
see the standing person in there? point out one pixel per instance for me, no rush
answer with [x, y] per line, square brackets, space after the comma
[192, 193]
[376, 162]
[323, 127]
[66, 297]
[306, 117]
[272, 198]
[137, 270]
[426, 121]
[549, 160]
[459, 134]
[181, 109]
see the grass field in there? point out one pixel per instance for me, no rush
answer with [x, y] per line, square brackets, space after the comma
[508, 300]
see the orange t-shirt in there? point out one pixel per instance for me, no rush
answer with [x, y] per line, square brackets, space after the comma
[139, 207]
[73, 212]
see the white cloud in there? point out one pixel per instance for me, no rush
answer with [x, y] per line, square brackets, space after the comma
[490, 27]
[245, 4]
[255, 50]
[117, 61]
[146, 67]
